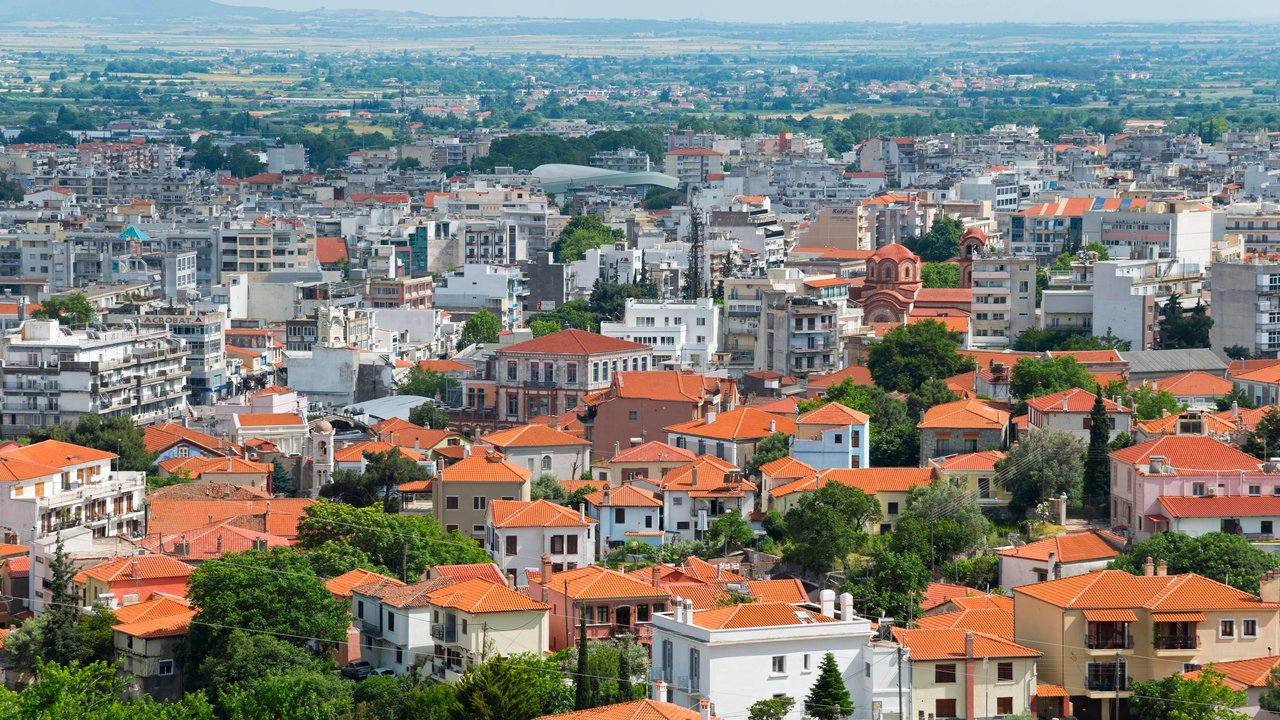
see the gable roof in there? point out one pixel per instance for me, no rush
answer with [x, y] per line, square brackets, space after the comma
[756, 615]
[743, 423]
[57, 454]
[997, 622]
[652, 451]
[165, 435]
[1107, 589]
[968, 414]
[197, 466]
[492, 467]
[665, 385]
[538, 435]
[467, 571]
[211, 541]
[1189, 455]
[397, 594]
[1071, 547]
[1251, 673]
[573, 342]
[707, 476]
[277, 516]
[478, 595]
[355, 452]
[342, 585]
[1195, 383]
[860, 374]
[624, 496]
[833, 414]
[1220, 506]
[786, 467]
[937, 593]
[140, 567]
[981, 461]
[868, 480]
[1078, 400]
[928, 645]
[164, 619]
[596, 583]
[534, 513]
[634, 710]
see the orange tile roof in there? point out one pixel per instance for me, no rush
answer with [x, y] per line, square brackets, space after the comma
[211, 541]
[1045, 690]
[1168, 425]
[1195, 383]
[1189, 455]
[140, 567]
[927, 645]
[1071, 547]
[1269, 375]
[1251, 673]
[1089, 357]
[443, 366]
[157, 606]
[868, 480]
[700, 569]
[860, 374]
[482, 596]
[596, 583]
[782, 406]
[967, 414]
[573, 342]
[534, 513]
[707, 476]
[1248, 418]
[165, 435]
[634, 710]
[786, 467]
[652, 451]
[989, 621]
[466, 571]
[171, 516]
[342, 585]
[937, 593]
[1078, 401]
[757, 615]
[743, 423]
[1220, 506]
[355, 452]
[57, 454]
[981, 461]
[173, 624]
[13, 469]
[531, 436]
[397, 594]
[330, 250]
[981, 602]
[665, 385]
[624, 496]
[197, 467]
[267, 419]
[833, 415]
[492, 467]
[1118, 589]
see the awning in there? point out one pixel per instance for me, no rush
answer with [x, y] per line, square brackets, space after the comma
[1050, 691]
[1110, 616]
[1177, 617]
[1157, 519]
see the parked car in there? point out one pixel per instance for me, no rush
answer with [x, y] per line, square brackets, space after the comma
[383, 671]
[358, 670]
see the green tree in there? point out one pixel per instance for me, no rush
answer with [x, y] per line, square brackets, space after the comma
[826, 525]
[1033, 377]
[10, 189]
[829, 699]
[609, 299]
[92, 692]
[573, 314]
[1204, 697]
[1100, 249]
[117, 435]
[242, 162]
[942, 242]
[389, 470]
[395, 543]
[407, 163]
[576, 498]
[910, 354]
[546, 327]
[497, 690]
[1097, 461]
[290, 696]
[430, 415]
[548, 682]
[1237, 352]
[1225, 557]
[777, 445]
[730, 532]
[1149, 404]
[481, 327]
[246, 657]
[546, 487]
[95, 640]
[897, 582]
[583, 233]
[1043, 464]
[942, 520]
[930, 392]
[61, 631]
[274, 592]
[1179, 330]
[73, 309]
[894, 441]
[23, 644]
[1264, 440]
[423, 383]
[281, 479]
[205, 155]
[350, 488]
[774, 708]
[940, 275]
[1236, 397]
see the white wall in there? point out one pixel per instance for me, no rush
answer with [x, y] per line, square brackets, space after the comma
[533, 542]
[1015, 572]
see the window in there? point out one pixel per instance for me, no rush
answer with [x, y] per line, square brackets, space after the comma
[479, 502]
[885, 528]
[944, 709]
[677, 500]
[804, 664]
[451, 502]
[464, 626]
[1226, 628]
[511, 369]
[399, 656]
[602, 614]
[1004, 706]
[893, 508]
[511, 544]
[1255, 489]
[839, 438]
[695, 670]
[1249, 628]
[573, 544]
[557, 544]
[668, 655]
[866, 669]
[1004, 672]
[944, 673]
[619, 515]
[391, 621]
[779, 664]
[165, 667]
[633, 415]
[648, 521]
[546, 463]
[1197, 489]
[360, 609]
[571, 373]
[1265, 527]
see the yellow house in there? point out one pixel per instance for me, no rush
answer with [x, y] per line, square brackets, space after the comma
[889, 485]
[958, 673]
[474, 619]
[975, 473]
[463, 490]
[1102, 631]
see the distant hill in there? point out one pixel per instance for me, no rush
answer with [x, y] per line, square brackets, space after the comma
[126, 9]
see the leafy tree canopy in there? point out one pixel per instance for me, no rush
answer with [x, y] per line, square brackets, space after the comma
[117, 435]
[92, 692]
[481, 327]
[895, 441]
[829, 699]
[1204, 697]
[825, 526]
[1225, 557]
[1041, 465]
[774, 447]
[1033, 377]
[583, 233]
[73, 309]
[910, 354]
[942, 242]
[1180, 329]
[894, 589]
[393, 543]
[940, 275]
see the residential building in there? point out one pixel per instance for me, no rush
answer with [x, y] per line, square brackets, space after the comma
[1197, 390]
[731, 436]
[1261, 386]
[1253, 676]
[54, 375]
[1182, 232]
[1057, 557]
[544, 450]
[172, 440]
[958, 673]
[499, 289]
[803, 330]
[624, 514]
[615, 604]
[684, 334]
[890, 486]
[126, 580]
[473, 619]
[462, 491]
[638, 404]
[976, 474]
[1260, 231]
[651, 460]
[331, 325]
[1004, 299]
[963, 426]
[394, 620]
[1071, 411]
[651, 709]
[698, 492]
[1049, 229]
[692, 165]
[773, 649]
[832, 436]
[202, 332]
[1245, 298]
[147, 638]
[521, 533]
[1105, 630]
[287, 431]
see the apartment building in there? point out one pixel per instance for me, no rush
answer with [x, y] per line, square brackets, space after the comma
[463, 490]
[543, 449]
[331, 326]
[262, 246]
[1120, 296]
[692, 165]
[957, 673]
[1004, 299]
[684, 334]
[1245, 298]
[1176, 232]
[52, 374]
[203, 333]
[804, 332]
[1102, 631]
[400, 293]
[1259, 231]
[500, 290]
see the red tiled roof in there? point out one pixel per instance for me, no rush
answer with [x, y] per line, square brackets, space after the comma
[1221, 506]
[1078, 401]
[928, 645]
[1189, 455]
[966, 414]
[743, 423]
[667, 385]
[268, 419]
[596, 583]
[624, 496]
[1071, 547]
[1195, 383]
[984, 460]
[989, 621]
[707, 476]
[467, 571]
[165, 435]
[652, 451]
[786, 467]
[140, 567]
[443, 366]
[534, 513]
[833, 415]
[634, 710]
[342, 585]
[860, 374]
[756, 615]
[1118, 589]
[211, 541]
[477, 596]
[573, 342]
[1251, 673]
[331, 250]
[280, 515]
[531, 436]
[57, 454]
[868, 480]
[487, 468]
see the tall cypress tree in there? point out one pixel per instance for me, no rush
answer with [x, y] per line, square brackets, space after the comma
[61, 632]
[625, 692]
[581, 681]
[1097, 463]
[829, 699]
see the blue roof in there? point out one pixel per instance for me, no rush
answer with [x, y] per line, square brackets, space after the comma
[133, 233]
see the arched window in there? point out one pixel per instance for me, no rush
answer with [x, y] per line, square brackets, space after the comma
[595, 372]
[546, 463]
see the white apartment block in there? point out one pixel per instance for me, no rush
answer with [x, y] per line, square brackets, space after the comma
[1259, 231]
[53, 375]
[1185, 236]
[1246, 306]
[684, 334]
[500, 290]
[1004, 300]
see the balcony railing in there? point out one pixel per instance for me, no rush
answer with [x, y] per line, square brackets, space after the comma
[1108, 683]
[445, 633]
[540, 384]
[371, 629]
[1180, 642]
[1109, 643]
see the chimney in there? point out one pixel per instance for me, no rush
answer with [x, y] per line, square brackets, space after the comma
[659, 691]
[1269, 587]
[846, 607]
[582, 512]
[1235, 410]
[657, 576]
[546, 567]
[710, 417]
[677, 609]
[1162, 569]
[688, 611]
[466, 451]
[1064, 401]
[968, 676]
[773, 426]
[607, 499]
[704, 709]
[1148, 568]
[827, 600]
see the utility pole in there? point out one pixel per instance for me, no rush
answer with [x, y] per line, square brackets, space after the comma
[902, 712]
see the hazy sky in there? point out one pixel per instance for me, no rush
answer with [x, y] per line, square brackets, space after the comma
[1079, 11]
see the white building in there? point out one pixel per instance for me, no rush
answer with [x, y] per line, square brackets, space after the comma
[52, 374]
[684, 334]
[832, 436]
[522, 532]
[543, 450]
[1004, 300]
[495, 288]
[737, 655]
[1182, 236]
[1058, 557]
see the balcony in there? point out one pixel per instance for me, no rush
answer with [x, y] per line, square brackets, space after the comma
[371, 629]
[445, 633]
[1108, 644]
[547, 384]
[1107, 682]
[1173, 646]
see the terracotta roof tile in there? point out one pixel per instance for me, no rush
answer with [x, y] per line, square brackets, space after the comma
[833, 414]
[467, 571]
[928, 645]
[531, 436]
[596, 583]
[989, 621]
[634, 710]
[704, 571]
[868, 480]
[165, 435]
[984, 460]
[397, 594]
[757, 615]
[482, 596]
[534, 513]
[664, 385]
[140, 567]
[573, 342]
[786, 467]
[1251, 673]
[342, 585]
[652, 451]
[1078, 401]
[1189, 455]
[1117, 589]
[743, 423]
[1221, 506]
[969, 414]
[57, 454]
[941, 593]
[707, 476]
[1071, 547]
[355, 452]
[492, 467]
[281, 515]
[624, 496]
[211, 541]
[1195, 383]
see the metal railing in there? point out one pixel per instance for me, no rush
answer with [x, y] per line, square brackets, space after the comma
[445, 633]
